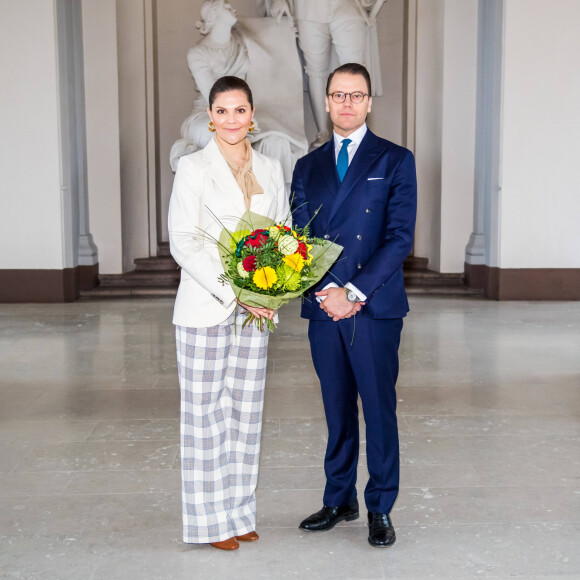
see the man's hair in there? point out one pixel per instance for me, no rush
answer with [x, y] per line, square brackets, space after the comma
[351, 68]
[227, 84]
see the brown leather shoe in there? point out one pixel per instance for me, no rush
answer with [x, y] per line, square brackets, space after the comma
[249, 537]
[229, 544]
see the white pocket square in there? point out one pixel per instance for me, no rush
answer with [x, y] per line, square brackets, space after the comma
[374, 178]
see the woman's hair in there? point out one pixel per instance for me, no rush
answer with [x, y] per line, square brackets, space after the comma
[208, 13]
[351, 68]
[227, 84]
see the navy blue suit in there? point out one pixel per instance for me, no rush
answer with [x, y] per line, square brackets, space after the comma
[372, 215]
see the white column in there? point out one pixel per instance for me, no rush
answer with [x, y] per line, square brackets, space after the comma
[102, 121]
[445, 129]
[483, 242]
[74, 146]
[428, 127]
[458, 131]
[138, 204]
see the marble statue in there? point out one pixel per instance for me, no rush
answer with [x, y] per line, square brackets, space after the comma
[347, 26]
[233, 47]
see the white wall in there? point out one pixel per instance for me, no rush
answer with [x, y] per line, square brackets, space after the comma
[540, 197]
[31, 224]
[102, 118]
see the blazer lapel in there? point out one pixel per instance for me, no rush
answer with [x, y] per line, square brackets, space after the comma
[359, 167]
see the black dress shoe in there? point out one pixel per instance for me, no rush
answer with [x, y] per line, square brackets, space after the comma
[381, 531]
[328, 517]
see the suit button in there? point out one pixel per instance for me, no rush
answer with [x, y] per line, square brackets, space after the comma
[359, 237]
[359, 266]
[326, 236]
[368, 210]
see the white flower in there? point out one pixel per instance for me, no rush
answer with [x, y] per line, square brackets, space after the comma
[241, 271]
[288, 245]
[275, 232]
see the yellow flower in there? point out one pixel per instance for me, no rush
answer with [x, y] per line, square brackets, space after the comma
[288, 278]
[265, 277]
[309, 256]
[236, 237]
[295, 261]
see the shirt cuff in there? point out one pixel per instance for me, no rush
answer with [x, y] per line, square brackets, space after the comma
[361, 297]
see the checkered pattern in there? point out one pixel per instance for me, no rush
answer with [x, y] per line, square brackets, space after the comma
[222, 373]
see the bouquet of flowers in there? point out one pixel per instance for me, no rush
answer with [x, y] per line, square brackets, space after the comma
[268, 264]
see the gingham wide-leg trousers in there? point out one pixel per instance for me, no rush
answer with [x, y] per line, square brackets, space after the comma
[222, 373]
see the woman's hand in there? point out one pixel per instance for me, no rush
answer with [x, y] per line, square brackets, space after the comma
[258, 312]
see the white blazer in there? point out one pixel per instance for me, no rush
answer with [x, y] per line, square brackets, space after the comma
[204, 184]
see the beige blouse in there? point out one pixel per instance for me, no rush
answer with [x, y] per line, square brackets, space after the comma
[244, 175]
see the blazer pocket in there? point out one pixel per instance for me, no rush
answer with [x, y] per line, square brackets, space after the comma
[374, 178]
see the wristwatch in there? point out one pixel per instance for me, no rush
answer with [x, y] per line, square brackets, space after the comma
[350, 295]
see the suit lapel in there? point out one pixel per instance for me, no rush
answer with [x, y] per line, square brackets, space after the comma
[358, 169]
[322, 191]
[327, 165]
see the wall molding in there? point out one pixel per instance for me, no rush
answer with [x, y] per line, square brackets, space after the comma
[42, 286]
[524, 283]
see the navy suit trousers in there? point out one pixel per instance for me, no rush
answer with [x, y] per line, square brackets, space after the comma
[359, 356]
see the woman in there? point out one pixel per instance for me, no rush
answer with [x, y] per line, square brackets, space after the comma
[222, 366]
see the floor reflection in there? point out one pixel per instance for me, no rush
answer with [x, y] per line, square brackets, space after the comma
[489, 402]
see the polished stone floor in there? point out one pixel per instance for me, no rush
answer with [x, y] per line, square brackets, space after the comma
[489, 409]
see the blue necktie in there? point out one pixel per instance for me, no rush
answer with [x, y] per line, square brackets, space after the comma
[342, 161]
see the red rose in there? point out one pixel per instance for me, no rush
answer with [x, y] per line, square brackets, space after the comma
[249, 263]
[257, 238]
[302, 249]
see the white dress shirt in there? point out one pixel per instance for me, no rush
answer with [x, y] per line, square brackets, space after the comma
[356, 138]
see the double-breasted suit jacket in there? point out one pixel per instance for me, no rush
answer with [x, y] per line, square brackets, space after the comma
[371, 214]
[205, 189]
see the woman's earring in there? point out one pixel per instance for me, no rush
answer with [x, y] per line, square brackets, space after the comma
[211, 127]
[252, 127]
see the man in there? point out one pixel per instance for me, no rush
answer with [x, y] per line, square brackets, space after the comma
[323, 24]
[361, 191]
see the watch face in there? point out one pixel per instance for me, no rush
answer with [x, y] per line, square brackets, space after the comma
[351, 296]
